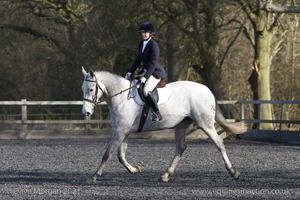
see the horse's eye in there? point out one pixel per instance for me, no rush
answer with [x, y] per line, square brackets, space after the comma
[91, 90]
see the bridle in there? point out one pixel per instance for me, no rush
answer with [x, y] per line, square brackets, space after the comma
[95, 101]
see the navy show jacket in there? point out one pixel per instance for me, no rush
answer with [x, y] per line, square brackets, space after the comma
[149, 60]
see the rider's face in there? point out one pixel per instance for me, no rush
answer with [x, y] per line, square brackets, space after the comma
[145, 35]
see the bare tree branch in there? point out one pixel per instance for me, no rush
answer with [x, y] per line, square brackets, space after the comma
[246, 7]
[65, 11]
[31, 32]
[277, 46]
[274, 27]
[234, 38]
[269, 6]
[248, 36]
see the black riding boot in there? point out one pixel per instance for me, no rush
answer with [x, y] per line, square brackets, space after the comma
[156, 114]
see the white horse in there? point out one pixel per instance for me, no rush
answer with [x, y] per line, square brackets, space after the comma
[190, 103]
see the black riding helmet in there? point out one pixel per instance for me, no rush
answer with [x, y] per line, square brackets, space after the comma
[147, 27]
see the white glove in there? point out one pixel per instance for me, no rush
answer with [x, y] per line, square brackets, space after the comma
[143, 79]
[127, 76]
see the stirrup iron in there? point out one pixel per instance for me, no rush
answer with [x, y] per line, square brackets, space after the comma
[156, 116]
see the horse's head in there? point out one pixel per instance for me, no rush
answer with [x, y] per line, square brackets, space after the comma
[92, 92]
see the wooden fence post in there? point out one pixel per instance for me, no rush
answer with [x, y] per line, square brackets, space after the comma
[87, 124]
[242, 111]
[24, 118]
[282, 110]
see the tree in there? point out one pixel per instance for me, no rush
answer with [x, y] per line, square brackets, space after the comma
[48, 31]
[265, 26]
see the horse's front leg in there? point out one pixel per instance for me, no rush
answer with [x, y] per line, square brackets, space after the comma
[116, 139]
[122, 159]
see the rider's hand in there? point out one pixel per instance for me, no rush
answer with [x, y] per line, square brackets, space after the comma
[127, 76]
[143, 80]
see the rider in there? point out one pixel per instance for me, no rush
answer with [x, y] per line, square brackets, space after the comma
[148, 54]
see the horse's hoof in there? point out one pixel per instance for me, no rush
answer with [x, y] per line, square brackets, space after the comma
[234, 173]
[140, 169]
[164, 178]
[95, 178]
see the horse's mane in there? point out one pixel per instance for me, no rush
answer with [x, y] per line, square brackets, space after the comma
[105, 74]
[110, 79]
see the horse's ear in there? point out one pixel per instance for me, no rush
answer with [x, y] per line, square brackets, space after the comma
[84, 72]
[92, 73]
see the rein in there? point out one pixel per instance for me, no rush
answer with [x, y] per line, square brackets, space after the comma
[94, 101]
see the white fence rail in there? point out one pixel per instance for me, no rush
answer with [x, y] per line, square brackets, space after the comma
[24, 121]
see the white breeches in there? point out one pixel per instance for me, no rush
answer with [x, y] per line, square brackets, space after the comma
[150, 84]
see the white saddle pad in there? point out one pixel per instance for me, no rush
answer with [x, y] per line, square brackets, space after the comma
[163, 93]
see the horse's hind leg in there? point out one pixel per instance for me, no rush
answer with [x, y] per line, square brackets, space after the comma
[181, 131]
[122, 159]
[212, 133]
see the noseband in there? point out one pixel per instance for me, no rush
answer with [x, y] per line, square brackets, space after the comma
[94, 100]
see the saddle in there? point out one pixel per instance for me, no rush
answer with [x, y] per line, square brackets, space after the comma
[141, 99]
[162, 93]
[161, 84]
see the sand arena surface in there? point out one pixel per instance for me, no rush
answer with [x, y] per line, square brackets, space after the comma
[62, 169]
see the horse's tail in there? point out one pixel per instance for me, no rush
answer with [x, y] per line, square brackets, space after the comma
[231, 128]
